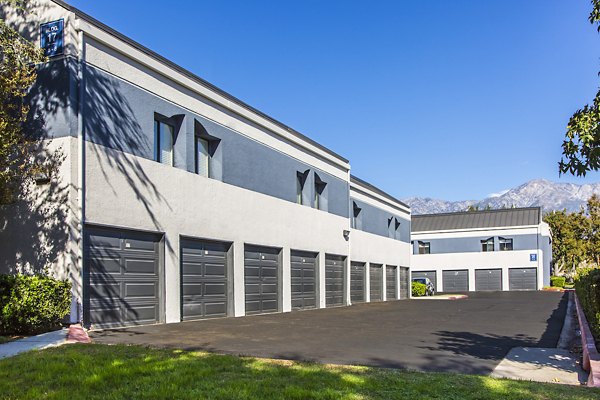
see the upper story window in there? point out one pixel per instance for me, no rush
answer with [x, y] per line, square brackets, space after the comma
[391, 230]
[300, 181]
[487, 244]
[424, 247]
[163, 141]
[397, 233]
[320, 199]
[356, 216]
[202, 157]
[505, 244]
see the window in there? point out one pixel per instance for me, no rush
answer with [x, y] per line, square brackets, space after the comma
[391, 226]
[300, 180]
[163, 139]
[487, 244]
[397, 234]
[356, 216]
[202, 157]
[424, 247]
[505, 244]
[320, 200]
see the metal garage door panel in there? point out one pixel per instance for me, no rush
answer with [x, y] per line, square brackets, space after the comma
[426, 274]
[390, 282]
[404, 283]
[376, 284]
[261, 279]
[121, 277]
[456, 281]
[522, 278]
[204, 279]
[357, 282]
[334, 280]
[303, 273]
[488, 279]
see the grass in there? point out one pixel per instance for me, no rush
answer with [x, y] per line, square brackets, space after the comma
[128, 372]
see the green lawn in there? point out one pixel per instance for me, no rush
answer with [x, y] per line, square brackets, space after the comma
[130, 372]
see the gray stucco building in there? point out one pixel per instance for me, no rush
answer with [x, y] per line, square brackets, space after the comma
[177, 201]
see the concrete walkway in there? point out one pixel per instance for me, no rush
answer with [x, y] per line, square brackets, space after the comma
[43, 341]
[541, 365]
[554, 365]
[442, 297]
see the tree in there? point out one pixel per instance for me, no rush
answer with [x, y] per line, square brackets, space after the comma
[19, 148]
[581, 147]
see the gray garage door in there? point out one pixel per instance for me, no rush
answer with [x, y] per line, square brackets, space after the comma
[426, 274]
[121, 278]
[261, 278]
[334, 280]
[390, 282]
[404, 284]
[304, 272]
[357, 282]
[376, 284]
[204, 286]
[488, 279]
[456, 281]
[522, 278]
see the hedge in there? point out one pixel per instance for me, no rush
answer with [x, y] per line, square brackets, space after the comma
[31, 304]
[418, 289]
[587, 286]
[557, 281]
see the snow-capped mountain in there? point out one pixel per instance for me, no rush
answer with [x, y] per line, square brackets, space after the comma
[539, 192]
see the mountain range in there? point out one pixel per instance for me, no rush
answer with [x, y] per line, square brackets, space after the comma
[539, 192]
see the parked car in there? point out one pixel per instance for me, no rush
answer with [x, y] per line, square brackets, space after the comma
[430, 289]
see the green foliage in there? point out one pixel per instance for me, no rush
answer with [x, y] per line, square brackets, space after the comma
[19, 146]
[581, 147]
[557, 281]
[32, 303]
[587, 286]
[418, 289]
[575, 237]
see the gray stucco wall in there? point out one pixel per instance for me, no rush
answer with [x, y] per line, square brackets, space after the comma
[53, 100]
[121, 116]
[473, 244]
[375, 220]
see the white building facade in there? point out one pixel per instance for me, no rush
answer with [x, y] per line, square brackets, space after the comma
[507, 249]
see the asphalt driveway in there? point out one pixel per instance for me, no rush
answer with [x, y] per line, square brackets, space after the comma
[465, 336]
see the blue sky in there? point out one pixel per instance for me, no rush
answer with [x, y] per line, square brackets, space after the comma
[446, 99]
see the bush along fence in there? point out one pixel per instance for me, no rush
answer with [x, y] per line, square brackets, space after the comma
[31, 304]
[587, 301]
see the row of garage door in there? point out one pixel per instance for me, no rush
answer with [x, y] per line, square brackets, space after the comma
[485, 279]
[123, 286]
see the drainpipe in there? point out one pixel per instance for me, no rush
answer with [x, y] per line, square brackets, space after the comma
[80, 167]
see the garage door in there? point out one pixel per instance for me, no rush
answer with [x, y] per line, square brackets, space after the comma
[304, 272]
[261, 279]
[390, 282]
[488, 279]
[404, 284]
[376, 284]
[522, 278]
[204, 286]
[334, 280]
[357, 282]
[426, 274]
[121, 278]
[456, 281]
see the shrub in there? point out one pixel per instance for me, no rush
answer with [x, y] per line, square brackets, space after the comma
[418, 289]
[32, 304]
[557, 281]
[587, 286]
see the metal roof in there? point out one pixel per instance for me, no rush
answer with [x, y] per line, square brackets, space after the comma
[477, 219]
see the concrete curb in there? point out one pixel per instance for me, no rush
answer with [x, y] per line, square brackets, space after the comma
[591, 358]
[43, 341]
[77, 334]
